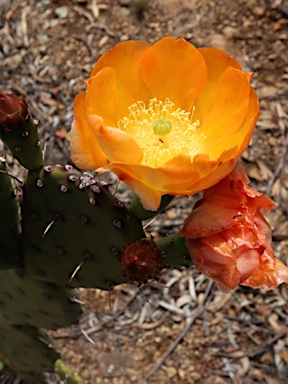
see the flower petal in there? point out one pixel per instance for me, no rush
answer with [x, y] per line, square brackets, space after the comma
[281, 272]
[151, 183]
[212, 171]
[118, 146]
[271, 271]
[200, 172]
[215, 259]
[247, 263]
[132, 175]
[263, 277]
[178, 177]
[128, 86]
[102, 97]
[228, 110]
[243, 134]
[216, 61]
[123, 57]
[224, 204]
[85, 149]
[174, 69]
[218, 210]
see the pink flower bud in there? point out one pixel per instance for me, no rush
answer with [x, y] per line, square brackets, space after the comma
[229, 238]
[13, 112]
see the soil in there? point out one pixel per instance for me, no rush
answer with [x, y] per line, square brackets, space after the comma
[183, 330]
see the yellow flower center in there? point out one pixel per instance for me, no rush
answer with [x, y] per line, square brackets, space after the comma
[161, 130]
[162, 126]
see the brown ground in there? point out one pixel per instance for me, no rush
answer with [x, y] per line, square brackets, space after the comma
[47, 49]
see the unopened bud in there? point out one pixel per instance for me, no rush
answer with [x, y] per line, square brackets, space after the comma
[13, 112]
[141, 260]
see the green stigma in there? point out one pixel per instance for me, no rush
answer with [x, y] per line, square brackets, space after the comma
[162, 126]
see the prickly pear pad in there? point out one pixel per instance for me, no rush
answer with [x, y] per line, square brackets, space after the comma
[24, 144]
[26, 349]
[24, 300]
[72, 223]
[67, 374]
[9, 223]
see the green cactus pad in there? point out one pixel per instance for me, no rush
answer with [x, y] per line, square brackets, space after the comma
[24, 144]
[24, 300]
[9, 223]
[141, 213]
[67, 374]
[71, 223]
[33, 378]
[176, 252]
[26, 349]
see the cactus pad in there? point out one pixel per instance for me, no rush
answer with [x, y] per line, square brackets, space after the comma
[176, 252]
[26, 349]
[67, 374]
[24, 300]
[24, 144]
[71, 223]
[9, 223]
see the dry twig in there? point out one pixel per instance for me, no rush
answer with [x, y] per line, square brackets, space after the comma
[197, 312]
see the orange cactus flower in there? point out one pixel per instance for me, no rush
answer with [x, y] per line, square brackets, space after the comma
[166, 118]
[229, 238]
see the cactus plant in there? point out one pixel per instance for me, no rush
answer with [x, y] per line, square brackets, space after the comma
[67, 231]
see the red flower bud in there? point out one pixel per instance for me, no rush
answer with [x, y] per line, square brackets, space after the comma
[141, 260]
[13, 112]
